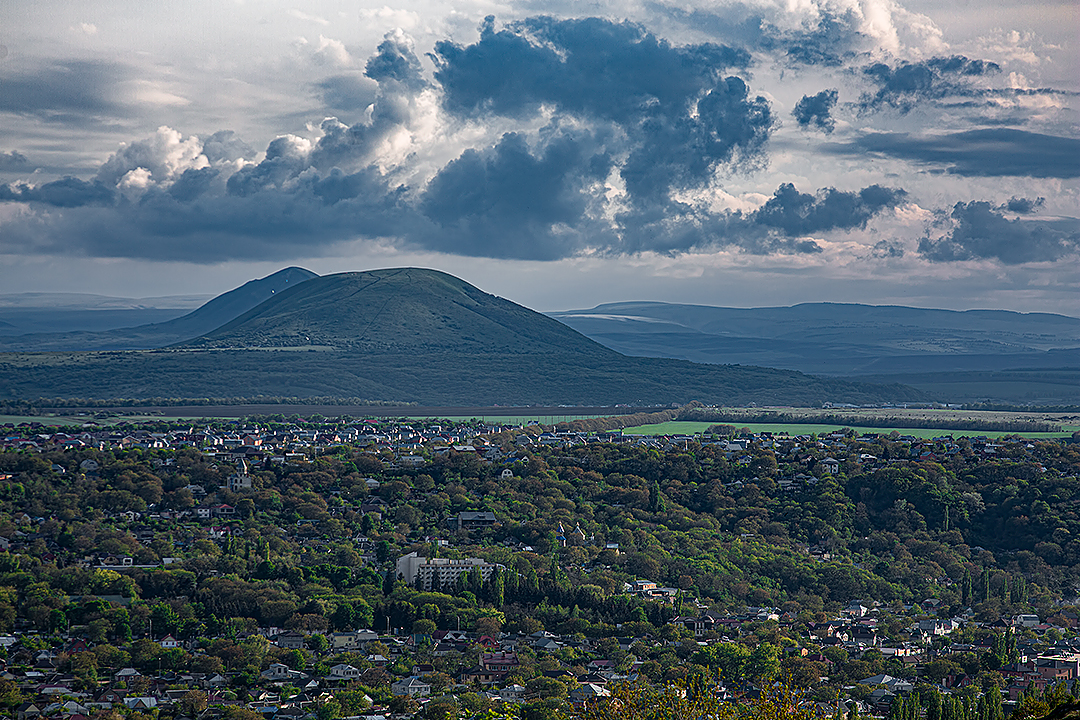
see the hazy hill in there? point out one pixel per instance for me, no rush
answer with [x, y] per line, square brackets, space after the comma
[972, 356]
[95, 309]
[37, 312]
[835, 339]
[411, 335]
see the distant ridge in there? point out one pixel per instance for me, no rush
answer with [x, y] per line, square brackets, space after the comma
[411, 335]
[216, 312]
[973, 356]
[835, 338]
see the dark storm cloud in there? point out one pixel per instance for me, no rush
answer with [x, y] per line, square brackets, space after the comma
[796, 213]
[73, 91]
[907, 84]
[203, 223]
[615, 104]
[591, 66]
[395, 62]
[67, 192]
[992, 152]
[1023, 206]
[887, 249]
[981, 232]
[681, 116]
[506, 203]
[13, 160]
[193, 182]
[816, 110]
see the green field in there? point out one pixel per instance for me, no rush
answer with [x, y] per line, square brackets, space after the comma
[43, 419]
[689, 428]
[508, 419]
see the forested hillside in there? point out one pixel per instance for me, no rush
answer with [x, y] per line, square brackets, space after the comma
[796, 529]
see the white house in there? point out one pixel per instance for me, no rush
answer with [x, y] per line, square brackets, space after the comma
[343, 672]
[412, 686]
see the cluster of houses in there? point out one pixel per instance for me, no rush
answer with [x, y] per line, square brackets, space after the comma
[286, 692]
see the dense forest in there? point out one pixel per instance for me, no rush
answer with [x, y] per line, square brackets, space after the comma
[912, 529]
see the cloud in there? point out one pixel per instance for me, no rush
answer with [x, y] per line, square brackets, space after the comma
[1023, 206]
[12, 160]
[977, 231]
[680, 116]
[509, 202]
[795, 213]
[73, 91]
[331, 52]
[816, 110]
[808, 34]
[301, 15]
[69, 192]
[395, 62]
[395, 72]
[991, 152]
[904, 86]
[541, 140]
[349, 92]
[165, 155]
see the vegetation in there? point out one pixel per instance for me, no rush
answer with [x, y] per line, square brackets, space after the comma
[414, 336]
[884, 420]
[313, 543]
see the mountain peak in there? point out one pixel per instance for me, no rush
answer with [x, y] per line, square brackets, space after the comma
[396, 309]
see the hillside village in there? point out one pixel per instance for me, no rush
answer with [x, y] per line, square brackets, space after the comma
[384, 569]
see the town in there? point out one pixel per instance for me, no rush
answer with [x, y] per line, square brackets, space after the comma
[294, 568]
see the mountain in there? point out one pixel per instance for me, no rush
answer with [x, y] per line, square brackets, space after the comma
[971, 356]
[36, 312]
[411, 335]
[398, 310]
[212, 314]
[835, 339]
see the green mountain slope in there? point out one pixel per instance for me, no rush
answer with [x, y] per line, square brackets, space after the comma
[417, 336]
[404, 309]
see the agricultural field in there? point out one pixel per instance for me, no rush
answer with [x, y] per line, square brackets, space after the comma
[677, 427]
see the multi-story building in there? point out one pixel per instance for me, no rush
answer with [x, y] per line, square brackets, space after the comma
[439, 572]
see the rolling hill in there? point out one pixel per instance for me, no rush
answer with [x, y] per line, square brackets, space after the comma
[411, 335]
[992, 356]
[208, 316]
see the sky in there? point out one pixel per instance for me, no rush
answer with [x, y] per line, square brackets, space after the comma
[561, 154]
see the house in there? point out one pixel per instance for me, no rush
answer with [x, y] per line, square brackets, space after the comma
[169, 642]
[830, 466]
[279, 672]
[27, 711]
[127, 674]
[412, 686]
[482, 675]
[588, 691]
[474, 520]
[499, 662]
[290, 640]
[892, 684]
[343, 672]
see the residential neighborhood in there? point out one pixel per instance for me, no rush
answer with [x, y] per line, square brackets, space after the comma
[310, 569]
